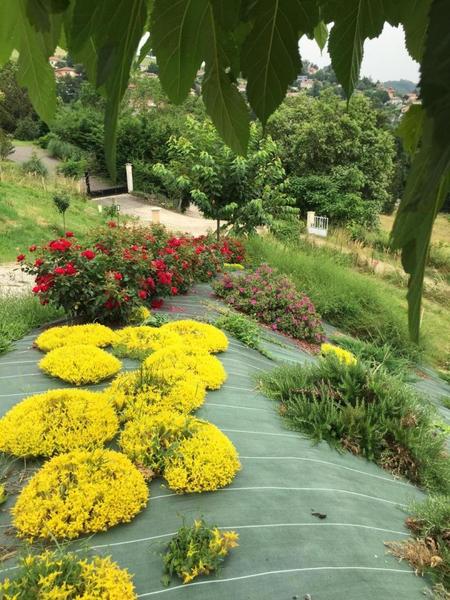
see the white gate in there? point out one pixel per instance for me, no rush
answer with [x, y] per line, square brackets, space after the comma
[316, 225]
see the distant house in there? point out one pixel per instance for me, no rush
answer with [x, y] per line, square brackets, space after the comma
[54, 60]
[312, 69]
[306, 83]
[63, 71]
[411, 98]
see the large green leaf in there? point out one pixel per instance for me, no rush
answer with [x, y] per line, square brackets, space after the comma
[34, 71]
[354, 22]
[410, 128]
[9, 14]
[429, 180]
[177, 34]
[223, 101]
[415, 21]
[270, 56]
[321, 35]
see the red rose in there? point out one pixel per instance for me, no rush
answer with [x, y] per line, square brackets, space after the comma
[38, 262]
[164, 277]
[60, 245]
[112, 224]
[174, 291]
[36, 289]
[142, 294]
[70, 269]
[21, 258]
[89, 254]
[150, 282]
[59, 271]
[69, 234]
[118, 276]
[32, 248]
[157, 302]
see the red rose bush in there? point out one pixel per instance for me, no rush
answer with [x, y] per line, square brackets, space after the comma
[121, 267]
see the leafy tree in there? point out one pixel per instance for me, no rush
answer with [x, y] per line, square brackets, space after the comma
[245, 191]
[6, 145]
[317, 135]
[258, 39]
[14, 100]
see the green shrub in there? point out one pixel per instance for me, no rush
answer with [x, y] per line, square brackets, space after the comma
[63, 150]
[375, 356]
[27, 129]
[356, 303]
[35, 166]
[243, 329]
[73, 167]
[367, 412]
[6, 145]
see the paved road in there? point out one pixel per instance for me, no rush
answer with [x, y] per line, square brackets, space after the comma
[23, 153]
[191, 222]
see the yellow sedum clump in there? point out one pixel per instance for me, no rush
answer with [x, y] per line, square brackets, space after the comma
[80, 492]
[203, 462]
[65, 576]
[3, 494]
[93, 334]
[200, 336]
[138, 392]
[176, 362]
[344, 356]
[58, 421]
[193, 455]
[80, 364]
[137, 342]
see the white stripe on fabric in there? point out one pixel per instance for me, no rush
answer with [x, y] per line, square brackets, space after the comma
[280, 572]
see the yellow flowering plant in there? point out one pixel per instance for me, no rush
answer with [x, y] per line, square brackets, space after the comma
[69, 335]
[80, 492]
[61, 575]
[191, 454]
[3, 494]
[202, 336]
[233, 267]
[344, 356]
[80, 364]
[197, 550]
[139, 342]
[175, 362]
[137, 392]
[58, 421]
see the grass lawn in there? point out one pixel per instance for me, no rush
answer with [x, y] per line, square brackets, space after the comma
[20, 314]
[441, 228]
[28, 215]
[359, 304]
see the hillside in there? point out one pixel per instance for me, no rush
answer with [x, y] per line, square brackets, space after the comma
[27, 213]
[401, 86]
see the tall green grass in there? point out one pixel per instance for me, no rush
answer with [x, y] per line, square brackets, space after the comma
[19, 315]
[356, 303]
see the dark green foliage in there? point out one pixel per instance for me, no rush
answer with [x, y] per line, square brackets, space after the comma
[15, 104]
[6, 145]
[35, 166]
[375, 356]
[367, 412]
[27, 129]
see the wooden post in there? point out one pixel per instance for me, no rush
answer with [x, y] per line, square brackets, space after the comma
[156, 212]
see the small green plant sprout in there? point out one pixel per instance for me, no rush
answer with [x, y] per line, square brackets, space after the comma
[62, 203]
[113, 212]
[6, 145]
[35, 166]
[243, 329]
[197, 550]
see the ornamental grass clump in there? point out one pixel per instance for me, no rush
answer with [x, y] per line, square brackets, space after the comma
[139, 342]
[191, 454]
[272, 299]
[367, 412]
[93, 334]
[78, 493]
[58, 421]
[201, 336]
[197, 550]
[141, 392]
[80, 364]
[175, 362]
[60, 575]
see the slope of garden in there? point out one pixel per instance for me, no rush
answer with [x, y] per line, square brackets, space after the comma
[284, 549]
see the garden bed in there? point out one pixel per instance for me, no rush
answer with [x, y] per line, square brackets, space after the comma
[284, 550]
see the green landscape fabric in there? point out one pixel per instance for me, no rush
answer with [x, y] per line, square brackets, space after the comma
[284, 551]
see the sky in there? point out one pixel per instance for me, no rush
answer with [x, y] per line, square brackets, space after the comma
[385, 57]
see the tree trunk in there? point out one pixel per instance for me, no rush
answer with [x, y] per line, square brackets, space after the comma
[218, 229]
